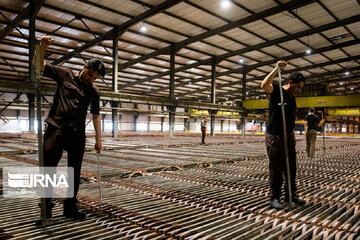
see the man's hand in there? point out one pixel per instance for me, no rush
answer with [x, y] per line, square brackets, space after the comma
[98, 145]
[266, 84]
[46, 41]
[281, 64]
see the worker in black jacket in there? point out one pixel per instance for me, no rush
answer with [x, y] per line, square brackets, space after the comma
[274, 139]
[66, 119]
[312, 126]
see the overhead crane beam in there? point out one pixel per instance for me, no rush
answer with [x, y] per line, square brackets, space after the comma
[306, 102]
[344, 112]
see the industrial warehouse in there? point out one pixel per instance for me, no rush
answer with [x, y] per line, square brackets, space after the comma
[180, 119]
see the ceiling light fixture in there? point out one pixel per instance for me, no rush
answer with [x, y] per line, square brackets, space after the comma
[143, 27]
[241, 60]
[347, 73]
[225, 4]
[352, 88]
[309, 49]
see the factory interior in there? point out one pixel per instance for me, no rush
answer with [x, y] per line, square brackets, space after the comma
[173, 69]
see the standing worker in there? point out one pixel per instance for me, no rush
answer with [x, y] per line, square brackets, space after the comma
[66, 119]
[274, 139]
[203, 130]
[312, 125]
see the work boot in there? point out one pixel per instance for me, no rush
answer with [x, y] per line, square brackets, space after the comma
[298, 201]
[49, 206]
[275, 203]
[71, 211]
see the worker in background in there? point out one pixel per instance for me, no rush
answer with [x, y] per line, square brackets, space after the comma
[312, 125]
[274, 139]
[203, 129]
[66, 119]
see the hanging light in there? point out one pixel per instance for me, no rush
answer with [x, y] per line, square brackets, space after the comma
[225, 4]
[308, 51]
[347, 73]
[241, 60]
[143, 27]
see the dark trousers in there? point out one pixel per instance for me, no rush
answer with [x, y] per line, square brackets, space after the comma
[277, 165]
[203, 133]
[55, 141]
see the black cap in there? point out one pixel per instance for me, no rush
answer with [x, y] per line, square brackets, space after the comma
[96, 65]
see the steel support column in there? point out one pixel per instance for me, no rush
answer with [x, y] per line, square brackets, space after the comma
[31, 99]
[136, 116]
[149, 121]
[103, 122]
[185, 124]
[114, 119]
[171, 110]
[115, 64]
[213, 94]
[162, 120]
[243, 97]
[172, 90]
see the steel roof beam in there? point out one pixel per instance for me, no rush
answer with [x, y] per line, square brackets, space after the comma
[121, 29]
[20, 17]
[252, 18]
[255, 47]
[257, 65]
